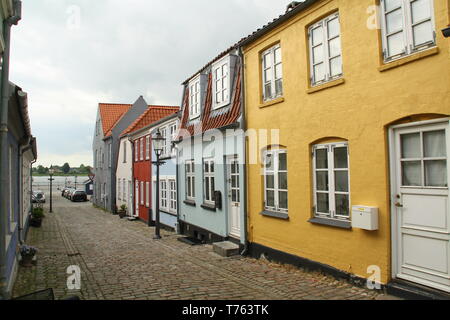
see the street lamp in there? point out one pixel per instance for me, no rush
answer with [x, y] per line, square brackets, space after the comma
[158, 142]
[51, 171]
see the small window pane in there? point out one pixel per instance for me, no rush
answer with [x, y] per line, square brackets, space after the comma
[319, 72]
[212, 166]
[411, 146]
[322, 158]
[318, 54]
[268, 74]
[234, 182]
[267, 60]
[317, 36]
[436, 173]
[270, 181]
[270, 195]
[341, 158]
[392, 4]
[423, 33]
[278, 87]
[335, 47]
[283, 198]
[268, 90]
[434, 144]
[333, 28]
[269, 163]
[341, 181]
[278, 71]
[207, 194]
[336, 66]
[282, 180]
[342, 205]
[189, 191]
[412, 173]
[277, 55]
[396, 44]
[420, 10]
[394, 21]
[322, 181]
[206, 167]
[282, 156]
[323, 204]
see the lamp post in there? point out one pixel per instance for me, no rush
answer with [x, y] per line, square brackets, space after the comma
[158, 142]
[51, 171]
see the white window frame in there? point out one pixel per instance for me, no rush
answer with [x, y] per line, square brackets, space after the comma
[272, 66]
[142, 148]
[124, 189]
[190, 179]
[274, 170]
[194, 98]
[163, 194]
[141, 193]
[326, 50]
[208, 194]
[147, 148]
[331, 181]
[119, 190]
[110, 155]
[147, 194]
[407, 30]
[125, 151]
[173, 131]
[224, 65]
[172, 196]
[163, 131]
[136, 150]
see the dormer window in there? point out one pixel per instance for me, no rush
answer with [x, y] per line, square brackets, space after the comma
[221, 82]
[194, 98]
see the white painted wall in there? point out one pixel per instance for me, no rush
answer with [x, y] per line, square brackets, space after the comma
[124, 170]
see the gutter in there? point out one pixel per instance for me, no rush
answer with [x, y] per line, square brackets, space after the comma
[8, 23]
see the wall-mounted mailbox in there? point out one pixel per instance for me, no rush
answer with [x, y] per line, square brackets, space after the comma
[364, 217]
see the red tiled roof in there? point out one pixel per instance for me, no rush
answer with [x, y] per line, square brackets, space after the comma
[209, 121]
[111, 114]
[151, 115]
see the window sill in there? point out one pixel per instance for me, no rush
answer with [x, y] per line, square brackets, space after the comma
[208, 206]
[331, 222]
[190, 203]
[326, 85]
[271, 102]
[168, 212]
[408, 59]
[272, 214]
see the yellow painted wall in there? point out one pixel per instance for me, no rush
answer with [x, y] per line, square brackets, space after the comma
[359, 111]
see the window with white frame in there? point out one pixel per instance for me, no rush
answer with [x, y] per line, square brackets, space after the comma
[147, 194]
[124, 189]
[276, 181]
[172, 196]
[208, 180]
[221, 82]
[331, 181]
[163, 132]
[142, 148]
[190, 180]
[272, 73]
[173, 131]
[147, 147]
[194, 98]
[136, 150]
[119, 190]
[407, 26]
[325, 50]
[142, 193]
[163, 193]
[125, 151]
[110, 155]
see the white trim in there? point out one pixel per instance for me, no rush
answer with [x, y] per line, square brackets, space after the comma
[190, 174]
[147, 194]
[273, 80]
[208, 195]
[194, 113]
[147, 147]
[275, 153]
[226, 82]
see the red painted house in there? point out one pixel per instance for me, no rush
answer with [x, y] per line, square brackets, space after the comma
[139, 136]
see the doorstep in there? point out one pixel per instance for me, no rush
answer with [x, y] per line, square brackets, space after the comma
[413, 291]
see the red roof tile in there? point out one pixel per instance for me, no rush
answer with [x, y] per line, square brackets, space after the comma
[151, 115]
[111, 114]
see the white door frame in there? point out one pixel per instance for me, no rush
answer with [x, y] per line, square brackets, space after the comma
[394, 186]
[229, 196]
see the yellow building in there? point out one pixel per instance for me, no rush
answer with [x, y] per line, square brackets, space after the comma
[358, 182]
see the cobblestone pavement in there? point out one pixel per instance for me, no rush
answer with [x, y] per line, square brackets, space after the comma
[119, 260]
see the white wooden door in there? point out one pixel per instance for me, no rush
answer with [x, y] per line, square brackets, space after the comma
[130, 199]
[136, 199]
[421, 205]
[234, 198]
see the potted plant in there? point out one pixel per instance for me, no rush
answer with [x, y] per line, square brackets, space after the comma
[27, 253]
[122, 211]
[36, 217]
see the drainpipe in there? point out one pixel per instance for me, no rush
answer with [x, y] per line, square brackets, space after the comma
[243, 126]
[7, 24]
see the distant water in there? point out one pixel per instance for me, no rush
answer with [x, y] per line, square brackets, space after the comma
[59, 181]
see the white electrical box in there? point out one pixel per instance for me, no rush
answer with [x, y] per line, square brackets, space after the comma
[365, 218]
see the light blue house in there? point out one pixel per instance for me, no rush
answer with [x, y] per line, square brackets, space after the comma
[210, 151]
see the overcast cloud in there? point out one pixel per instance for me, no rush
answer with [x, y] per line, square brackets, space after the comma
[115, 51]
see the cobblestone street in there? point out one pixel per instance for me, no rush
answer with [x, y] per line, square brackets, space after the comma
[119, 260]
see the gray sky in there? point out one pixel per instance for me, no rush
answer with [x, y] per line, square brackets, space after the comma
[71, 55]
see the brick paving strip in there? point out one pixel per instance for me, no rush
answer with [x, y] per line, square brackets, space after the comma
[119, 260]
